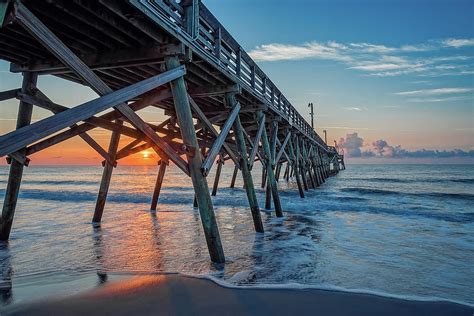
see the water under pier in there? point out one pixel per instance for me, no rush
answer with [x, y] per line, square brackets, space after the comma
[176, 58]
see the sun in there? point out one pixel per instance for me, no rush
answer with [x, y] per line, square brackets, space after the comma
[146, 155]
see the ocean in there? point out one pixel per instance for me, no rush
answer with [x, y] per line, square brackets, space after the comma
[395, 230]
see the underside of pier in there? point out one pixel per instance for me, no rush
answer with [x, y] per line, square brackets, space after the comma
[174, 57]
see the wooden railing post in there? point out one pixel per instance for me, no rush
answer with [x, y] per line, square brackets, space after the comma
[201, 189]
[191, 16]
[238, 62]
[16, 168]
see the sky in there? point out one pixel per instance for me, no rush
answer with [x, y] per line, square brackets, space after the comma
[390, 80]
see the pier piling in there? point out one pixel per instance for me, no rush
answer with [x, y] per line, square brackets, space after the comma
[172, 56]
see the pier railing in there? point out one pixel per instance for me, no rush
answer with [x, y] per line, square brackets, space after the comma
[191, 20]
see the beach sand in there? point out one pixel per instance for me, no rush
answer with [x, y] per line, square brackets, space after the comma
[181, 295]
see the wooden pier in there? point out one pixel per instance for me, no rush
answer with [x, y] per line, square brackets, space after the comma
[176, 58]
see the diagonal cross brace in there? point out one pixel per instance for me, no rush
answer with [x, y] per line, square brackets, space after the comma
[34, 26]
[216, 147]
[24, 136]
[282, 148]
[211, 128]
[56, 108]
[261, 126]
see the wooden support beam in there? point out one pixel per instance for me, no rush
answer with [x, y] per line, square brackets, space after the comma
[249, 140]
[301, 164]
[216, 147]
[16, 168]
[130, 57]
[106, 176]
[24, 136]
[201, 189]
[160, 143]
[159, 182]
[286, 174]
[234, 177]
[220, 163]
[245, 168]
[9, 94]
[258, 137]
[273, 142]
[270, 173]
[277, 172]
[43, 101]
[33, 25]
[197, 110]
[211, 91]
[295, 167]
[282, 148]
[145, 100]
[264, 175]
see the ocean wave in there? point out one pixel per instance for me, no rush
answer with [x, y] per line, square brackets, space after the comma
[463, 180]
[57, 182]
[365, 191]
[412, 180]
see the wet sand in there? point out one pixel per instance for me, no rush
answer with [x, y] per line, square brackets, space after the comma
[181, 295]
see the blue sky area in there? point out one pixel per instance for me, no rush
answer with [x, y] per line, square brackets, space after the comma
[400, 74]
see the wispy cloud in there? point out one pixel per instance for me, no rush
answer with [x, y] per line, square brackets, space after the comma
[356, 108]
[353, 145]
[458, 42]
[437, 95]
[277, 52]
[345, 128]
[438, 91]
[437, 100]
[377, 59]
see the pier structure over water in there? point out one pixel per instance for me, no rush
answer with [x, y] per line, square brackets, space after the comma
[174, 57]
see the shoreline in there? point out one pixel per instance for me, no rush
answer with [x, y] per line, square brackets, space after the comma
[177, 294]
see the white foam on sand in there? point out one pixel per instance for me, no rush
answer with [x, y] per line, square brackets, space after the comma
[298, 286]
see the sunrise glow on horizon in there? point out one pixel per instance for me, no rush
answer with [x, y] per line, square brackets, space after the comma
[386, 88]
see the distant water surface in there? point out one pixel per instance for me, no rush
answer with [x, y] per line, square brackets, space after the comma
[403, 230]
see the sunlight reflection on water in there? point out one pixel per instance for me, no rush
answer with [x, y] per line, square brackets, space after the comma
[394, 229]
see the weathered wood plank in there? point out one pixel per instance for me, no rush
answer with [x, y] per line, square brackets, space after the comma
[258, 137]
[158, 184]
[22, 137]
[201, 189]
[216, 147]
[220, 163]
[106, 176]
[9, 94]
[16, 168]
[270, 174]
[245, 167]
[211, 128]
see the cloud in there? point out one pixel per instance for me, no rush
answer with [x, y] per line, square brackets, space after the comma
[356, 108]
[277, 52]
[381, 148]
[458, 42]
[446, 99]
[353, 146]
[431, 92]
[376, 59]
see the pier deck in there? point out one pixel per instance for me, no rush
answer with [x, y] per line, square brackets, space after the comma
[175, 57]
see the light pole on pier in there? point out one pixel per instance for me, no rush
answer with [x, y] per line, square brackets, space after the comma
[310, 105]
